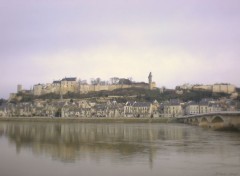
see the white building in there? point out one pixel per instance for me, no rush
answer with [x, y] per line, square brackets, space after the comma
[173, 109]
[192, 108]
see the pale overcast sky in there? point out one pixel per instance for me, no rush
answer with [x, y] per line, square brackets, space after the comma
[179, 41]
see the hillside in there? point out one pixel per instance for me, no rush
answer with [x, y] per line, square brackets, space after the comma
[131, 94]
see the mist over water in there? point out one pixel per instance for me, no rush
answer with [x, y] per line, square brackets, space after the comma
[116, 149]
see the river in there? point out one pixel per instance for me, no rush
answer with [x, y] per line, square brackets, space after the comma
[116, 149]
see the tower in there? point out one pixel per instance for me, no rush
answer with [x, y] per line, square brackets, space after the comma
[19, 88]
[150, 80]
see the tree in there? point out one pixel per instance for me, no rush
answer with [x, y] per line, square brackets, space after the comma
[124, 81]
[114, 80]
[58, 113]
[2, 101]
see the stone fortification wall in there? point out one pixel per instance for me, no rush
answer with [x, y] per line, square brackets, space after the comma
[217, 88]
[203, 87]
[95, 88]
[226, 88]
[37, 89]
[65, 88]
[72, 85]
[41, 89]
[113, 87]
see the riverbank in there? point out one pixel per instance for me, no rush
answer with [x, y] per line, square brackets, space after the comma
[85, 120]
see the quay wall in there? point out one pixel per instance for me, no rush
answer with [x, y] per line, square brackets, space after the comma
[85, 120]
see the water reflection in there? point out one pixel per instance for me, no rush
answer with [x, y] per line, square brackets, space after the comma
[71, 142]
[68, 141]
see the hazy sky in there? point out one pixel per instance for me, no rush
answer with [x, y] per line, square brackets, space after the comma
[179, 41]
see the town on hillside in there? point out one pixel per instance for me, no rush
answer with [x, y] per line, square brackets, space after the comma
[120, 97]
[114, 109]
[72, 85]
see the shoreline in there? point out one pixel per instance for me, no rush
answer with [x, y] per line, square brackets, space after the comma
[85, 120]
[108, 120]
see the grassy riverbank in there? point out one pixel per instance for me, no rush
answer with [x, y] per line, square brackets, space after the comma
[85, 120]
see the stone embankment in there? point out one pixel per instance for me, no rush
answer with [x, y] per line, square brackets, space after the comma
[85, 120]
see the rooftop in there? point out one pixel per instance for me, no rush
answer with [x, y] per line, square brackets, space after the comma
[69, 79]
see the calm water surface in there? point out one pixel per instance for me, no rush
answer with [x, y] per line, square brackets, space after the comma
[60, 149]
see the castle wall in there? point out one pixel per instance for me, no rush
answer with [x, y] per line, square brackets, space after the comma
[37, 89]
[100, 87]
[118, 86]
[144, 86]
[154, 86]
[71, 85]
[85, 88]
[12, 96]
[96, 88]
[203, 87]
[225, 88]
[69, 88]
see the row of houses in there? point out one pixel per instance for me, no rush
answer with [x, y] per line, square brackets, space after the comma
[175, 108]
[87, 109]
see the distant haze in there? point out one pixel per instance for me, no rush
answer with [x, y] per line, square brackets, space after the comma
[179, 41]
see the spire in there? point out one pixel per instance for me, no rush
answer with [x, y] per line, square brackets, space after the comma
[150, 75]
[150, 80]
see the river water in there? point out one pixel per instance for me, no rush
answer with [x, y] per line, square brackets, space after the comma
[89, 149]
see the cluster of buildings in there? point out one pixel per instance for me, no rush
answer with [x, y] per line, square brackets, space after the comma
[113, 109]
[72, 85]
[85, 108]
[77, 108]
[176, 108]
[215, 88]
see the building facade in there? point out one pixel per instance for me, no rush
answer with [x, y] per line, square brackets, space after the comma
[72, 85]
[216, 88]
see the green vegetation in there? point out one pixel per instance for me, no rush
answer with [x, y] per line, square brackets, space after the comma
[27, 98]
[2, 101]
[130, 94]
[48, 96]
[186, 96]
